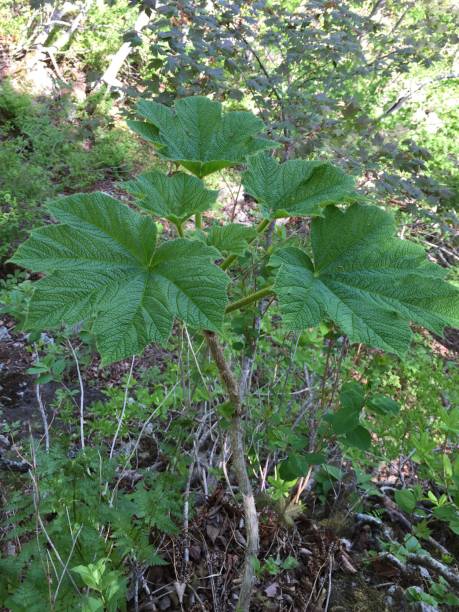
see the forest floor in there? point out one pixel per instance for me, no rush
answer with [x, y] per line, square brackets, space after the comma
[336, 567]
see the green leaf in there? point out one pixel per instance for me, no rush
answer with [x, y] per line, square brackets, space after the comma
[406, 499]
[352, 396]
[295, 188]
[226, 410]
[175, 197]
[359, 437]
[90, 576]
[447, 512]
[365, 280]
[92, 604]
[333, 471]
[412, 544]
[447, 466]
[347, 418]
[343, 420]
[197, 135]
[298, 465]
[231, 238]
[102, 262]
[382, 404]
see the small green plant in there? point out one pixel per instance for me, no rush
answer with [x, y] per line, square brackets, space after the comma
[274, 566]
[109, 586]
[86, 518]
[439, 593]
[103, 262]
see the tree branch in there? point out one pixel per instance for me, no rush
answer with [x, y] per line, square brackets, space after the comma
[404, 97]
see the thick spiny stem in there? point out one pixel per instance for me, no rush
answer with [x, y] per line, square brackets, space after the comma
[240, 468]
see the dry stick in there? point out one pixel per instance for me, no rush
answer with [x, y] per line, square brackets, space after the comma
[430, 563]
[80, 381]
[110, 76]
[121, 417]
[425, 561]
[240, 468]
[302, 484]
[64, 570]
[395, 514]
[311, 594]
[41, 408]
[139, 437]
[330, 569]
[196, 444]
[36, 497]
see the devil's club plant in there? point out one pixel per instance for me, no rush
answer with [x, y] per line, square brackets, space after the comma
[198, 136]
[103, 261]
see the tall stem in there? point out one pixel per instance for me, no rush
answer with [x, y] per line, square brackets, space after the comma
[240, 468]
[198, 220]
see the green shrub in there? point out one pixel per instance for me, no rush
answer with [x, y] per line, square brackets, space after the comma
[49, 147]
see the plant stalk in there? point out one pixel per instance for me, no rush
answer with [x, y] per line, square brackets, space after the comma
[226, 263]
[240, 468]
[198, 220]
[179, 227]
[249, 299]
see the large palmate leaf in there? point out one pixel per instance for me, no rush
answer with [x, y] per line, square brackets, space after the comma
[295, 188]
[175, 197]
[196, 134]
[364, 279]
[231, 238]
[102, 262]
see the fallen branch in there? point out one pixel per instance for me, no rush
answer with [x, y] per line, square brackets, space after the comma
[15, 466]
[407, 95]
[109, 77]
[430, 563]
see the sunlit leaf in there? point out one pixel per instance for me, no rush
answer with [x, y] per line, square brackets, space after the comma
[102, 262]
[175, 197]
[295, 188]
[371, 284]
[198, 135]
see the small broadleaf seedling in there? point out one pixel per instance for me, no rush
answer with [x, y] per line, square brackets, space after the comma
[175, 198]
[102, 261]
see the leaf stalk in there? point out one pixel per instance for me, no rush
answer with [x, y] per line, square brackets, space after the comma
[249, 299]
[179, 227]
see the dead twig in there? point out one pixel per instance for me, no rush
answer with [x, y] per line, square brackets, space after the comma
[123, 410]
